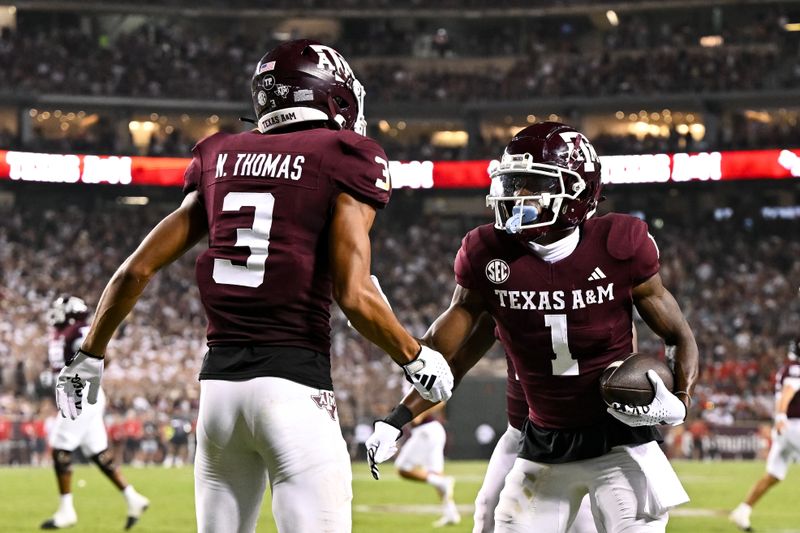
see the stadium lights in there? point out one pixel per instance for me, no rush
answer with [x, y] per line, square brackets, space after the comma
[792, 26]
[133, 200]
[711, 41]
[612, 17]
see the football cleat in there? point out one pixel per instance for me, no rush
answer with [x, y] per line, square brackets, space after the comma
[63, 518]
[451, 517]
[741, 517]
[137, 505]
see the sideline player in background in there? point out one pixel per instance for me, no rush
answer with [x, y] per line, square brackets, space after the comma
[287, 209]
[421, 459]
[67, 315]
[561, 285]
[785, 446]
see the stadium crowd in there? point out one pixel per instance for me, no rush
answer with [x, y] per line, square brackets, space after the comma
[737, 285]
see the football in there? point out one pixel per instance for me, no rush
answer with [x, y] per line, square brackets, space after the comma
[626, 381]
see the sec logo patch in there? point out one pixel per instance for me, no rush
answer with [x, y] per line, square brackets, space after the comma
[497, 271]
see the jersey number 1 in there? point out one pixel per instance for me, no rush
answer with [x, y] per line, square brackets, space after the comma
[251, 274]
[563, 364]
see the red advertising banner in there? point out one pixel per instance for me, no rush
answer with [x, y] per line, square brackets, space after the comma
[618, 169]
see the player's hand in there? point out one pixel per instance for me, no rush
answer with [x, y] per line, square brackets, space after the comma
[381, 445]
[431, 375]
[780, 424]
[666, 408]
[82, 373]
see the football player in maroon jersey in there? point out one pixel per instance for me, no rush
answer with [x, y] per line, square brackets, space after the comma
[560, 284]
[287, 210]
[785, 446]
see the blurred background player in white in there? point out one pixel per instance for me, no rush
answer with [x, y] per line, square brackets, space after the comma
[785, 446]
[68, 317]
[421, 459]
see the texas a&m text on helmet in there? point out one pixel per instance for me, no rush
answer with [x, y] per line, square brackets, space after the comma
[548, 179]
[304, 81]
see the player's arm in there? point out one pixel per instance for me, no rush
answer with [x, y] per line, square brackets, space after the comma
[464, 332]
[362, 303]
[662, 314]
[479, 341]
[171, 238]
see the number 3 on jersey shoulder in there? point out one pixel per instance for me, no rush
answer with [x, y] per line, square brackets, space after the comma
[564, 364]
[251, 274]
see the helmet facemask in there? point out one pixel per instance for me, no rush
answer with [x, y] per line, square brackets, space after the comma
[528, 197]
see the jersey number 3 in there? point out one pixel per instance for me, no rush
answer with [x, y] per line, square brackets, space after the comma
[563, 364]
[256, 237]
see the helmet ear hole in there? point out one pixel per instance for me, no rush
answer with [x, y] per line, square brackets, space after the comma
[341, 102]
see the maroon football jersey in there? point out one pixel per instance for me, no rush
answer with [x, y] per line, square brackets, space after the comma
[269, 199]
[516, 406]
[789, 372]
[64, 342]
[562, 323]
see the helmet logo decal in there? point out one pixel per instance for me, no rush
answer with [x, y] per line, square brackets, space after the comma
[303, 95]
[331, 60]
[580, 149]
[262, 98]
[265, 67]
[282, 90]
[269, 82]
[497, 271]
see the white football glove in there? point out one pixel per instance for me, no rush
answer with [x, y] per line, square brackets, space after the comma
[84, 370]
[666, 408]
[381, 445]
[431, 375]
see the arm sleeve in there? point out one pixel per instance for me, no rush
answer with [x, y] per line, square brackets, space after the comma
[193, 174]
[644, 263]
[463, 268]
[362, 170]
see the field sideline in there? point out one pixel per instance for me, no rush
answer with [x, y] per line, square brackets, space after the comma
[28, 496]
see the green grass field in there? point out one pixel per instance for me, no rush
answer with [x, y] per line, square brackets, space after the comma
[28, 496]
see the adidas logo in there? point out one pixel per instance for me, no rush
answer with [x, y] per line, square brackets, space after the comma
[427, 381]
[597, 274]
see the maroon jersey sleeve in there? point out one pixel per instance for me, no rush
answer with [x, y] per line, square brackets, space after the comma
[629, 240]
[462, 266]
[193, 173]
[362, 170]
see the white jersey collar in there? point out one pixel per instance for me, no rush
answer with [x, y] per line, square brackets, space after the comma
[558, 250]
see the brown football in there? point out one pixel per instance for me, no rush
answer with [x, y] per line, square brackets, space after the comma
[626, 381]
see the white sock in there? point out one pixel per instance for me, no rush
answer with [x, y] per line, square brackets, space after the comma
[746, 508]
[128, 492]
[437, 481]
[66, 501]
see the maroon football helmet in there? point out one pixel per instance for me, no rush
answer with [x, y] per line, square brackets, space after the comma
[303, 80]
[548, 179]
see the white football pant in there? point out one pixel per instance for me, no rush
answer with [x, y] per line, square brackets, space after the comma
[423, 449]
[272, 429]
[546, 497]
[87, 431]
[784, 449]
[503, 457]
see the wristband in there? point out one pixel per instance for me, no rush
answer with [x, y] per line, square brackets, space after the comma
[399, 417]
[781, 417]
[685, 394]
[87, 354]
